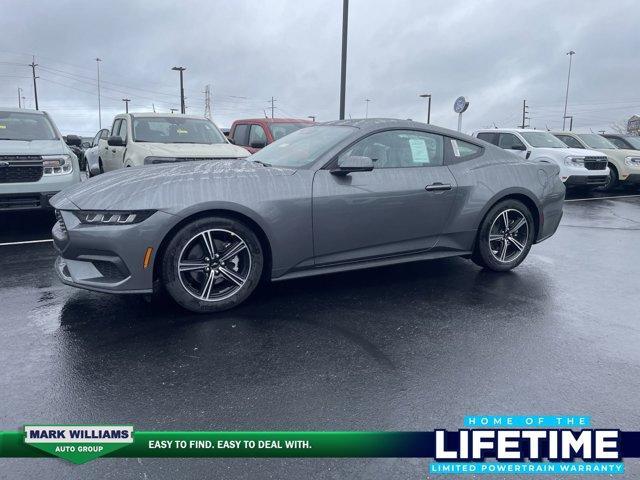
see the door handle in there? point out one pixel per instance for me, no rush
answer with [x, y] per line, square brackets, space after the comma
[438, 187]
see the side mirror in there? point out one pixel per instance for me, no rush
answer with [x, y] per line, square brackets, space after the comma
[353, 164]
[86, 145]
[258, 144]
[521, 148]
[73, 140]
[115, 141]
[230, 139]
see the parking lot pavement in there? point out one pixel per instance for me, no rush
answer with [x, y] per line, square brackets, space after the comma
[409, 347]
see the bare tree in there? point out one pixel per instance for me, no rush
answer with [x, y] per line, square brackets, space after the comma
[619, 127]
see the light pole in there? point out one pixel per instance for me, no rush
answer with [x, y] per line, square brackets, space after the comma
[427, 96]
[126, 104]
[99, 106]
[366, 112]
[19, 97]
[181, 69]
[343, 64]
[571, 53]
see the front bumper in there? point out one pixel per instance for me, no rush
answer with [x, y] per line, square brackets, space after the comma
[25, 201]
[108, 258]
[582, 180]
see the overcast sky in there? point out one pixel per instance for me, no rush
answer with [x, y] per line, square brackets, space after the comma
[496, 53]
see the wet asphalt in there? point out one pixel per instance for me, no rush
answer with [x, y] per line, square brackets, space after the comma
[409, 347]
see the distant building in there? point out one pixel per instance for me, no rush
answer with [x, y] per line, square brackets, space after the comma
[633, 125]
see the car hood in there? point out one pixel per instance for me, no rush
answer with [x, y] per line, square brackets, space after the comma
[224, 150]
[172, 187]
[565, 152]
[34, 147]
[619, 153]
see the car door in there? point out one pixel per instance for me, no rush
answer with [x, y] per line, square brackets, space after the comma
[117, 157]
[107, 152]
[399, 207]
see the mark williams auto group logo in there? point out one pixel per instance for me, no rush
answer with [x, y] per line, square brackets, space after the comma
[78, 444]
[521, 443]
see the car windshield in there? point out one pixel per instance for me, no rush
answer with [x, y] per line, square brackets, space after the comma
[173, 129]
[26, 127]
[542, 140]
[302, 147]
[635, 141]
[279, 130]
[594, 140]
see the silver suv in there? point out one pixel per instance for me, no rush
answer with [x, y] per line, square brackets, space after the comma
[35, 161]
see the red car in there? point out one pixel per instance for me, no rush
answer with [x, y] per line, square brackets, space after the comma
[256, 133]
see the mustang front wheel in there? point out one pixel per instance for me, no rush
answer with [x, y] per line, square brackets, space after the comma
[505, 236]
[212, 264]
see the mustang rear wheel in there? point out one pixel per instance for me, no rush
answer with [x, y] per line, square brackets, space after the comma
[505, 236]
[212, 264]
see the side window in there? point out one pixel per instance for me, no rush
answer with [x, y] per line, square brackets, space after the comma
[241, 135]
[618, 142]
[490, 137]
[464, 150]
[122, 133]
[97, 138]
[104, 134]
[257, 135]
[509, 141]
[400, 149]
[116, 127]
[569, 141]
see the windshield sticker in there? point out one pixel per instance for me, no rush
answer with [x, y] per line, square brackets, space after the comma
[419, 150]
[182, 131]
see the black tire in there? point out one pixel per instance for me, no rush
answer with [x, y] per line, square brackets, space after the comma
[486, 253]
[189, 242]
[100, 168]
[612, 179]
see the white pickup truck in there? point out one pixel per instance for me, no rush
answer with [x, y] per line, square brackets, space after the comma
[139, 139]
[578, 167]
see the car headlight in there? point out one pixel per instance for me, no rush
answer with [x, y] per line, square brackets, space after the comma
[574, 161]
[632, 161]
[158, 160]
[57, 164]
[112, 217]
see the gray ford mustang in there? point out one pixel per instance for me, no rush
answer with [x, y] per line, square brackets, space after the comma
[328, 198]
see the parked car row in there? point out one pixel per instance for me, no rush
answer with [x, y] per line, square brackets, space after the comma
[584, 159]
[36, 161]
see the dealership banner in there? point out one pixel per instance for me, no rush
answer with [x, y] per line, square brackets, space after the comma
[486, 445]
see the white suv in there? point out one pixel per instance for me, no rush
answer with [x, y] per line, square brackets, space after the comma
[152, 138]
[578, 167]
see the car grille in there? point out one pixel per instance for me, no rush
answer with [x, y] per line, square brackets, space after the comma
[20, 168]
[595, 163]
[109, 270]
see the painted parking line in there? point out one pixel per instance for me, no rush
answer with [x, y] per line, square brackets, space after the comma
[601, 198]
[25, 242]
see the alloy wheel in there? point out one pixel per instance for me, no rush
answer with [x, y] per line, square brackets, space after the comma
[214, 265]
[508, 235]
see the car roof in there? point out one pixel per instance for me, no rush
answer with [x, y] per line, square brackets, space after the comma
[161, 115]
[22, 110]
[510, 130]
[272, 120]
[369, 124]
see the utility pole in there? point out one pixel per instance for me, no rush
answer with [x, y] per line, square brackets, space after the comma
[181, 69]
[272, 107]
[99, 106]
[19, 97]
[207, 102]
[525, 110]
[173, 110]
[428, 97]
[343, 63]
[366, 113]
[126, 104]
[570, 117]
[571, 53]
[312, 117]
[33, 66]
